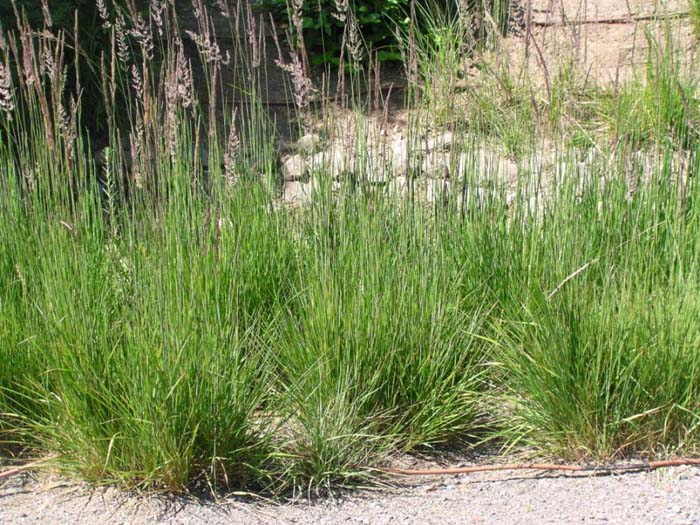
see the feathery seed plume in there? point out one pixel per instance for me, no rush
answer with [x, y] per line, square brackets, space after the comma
[7, 103]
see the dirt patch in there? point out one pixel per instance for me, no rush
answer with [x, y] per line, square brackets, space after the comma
[605, 39]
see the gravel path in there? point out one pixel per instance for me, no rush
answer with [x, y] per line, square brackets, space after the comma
[669, 496]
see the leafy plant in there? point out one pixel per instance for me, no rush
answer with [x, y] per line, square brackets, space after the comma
[325, 23]
[328, 26]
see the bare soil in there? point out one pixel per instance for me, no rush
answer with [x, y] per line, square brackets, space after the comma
[605, 39]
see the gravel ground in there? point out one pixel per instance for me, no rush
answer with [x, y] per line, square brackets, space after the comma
[668, 496]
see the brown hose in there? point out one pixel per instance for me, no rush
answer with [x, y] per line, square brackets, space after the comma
[23, 468]
[613, 20]
[651, 465]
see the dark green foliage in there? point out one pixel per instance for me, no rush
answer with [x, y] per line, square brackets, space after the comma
[324, 26]
[61, 12]
[381, 23]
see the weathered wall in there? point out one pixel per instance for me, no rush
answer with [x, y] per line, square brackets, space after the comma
[232, 37]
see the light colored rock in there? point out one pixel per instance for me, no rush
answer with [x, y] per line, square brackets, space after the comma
[377, 170]
[382, 161]
[436, 190]
[377, 164]
[472, 198]
[297, 194]
[477, 164]
[437, 165]
[397, 187]
[308, 143]
[335, 161]
[444, 140]
[483, 167]
[294, 168]
[399, 156]
[499, 171]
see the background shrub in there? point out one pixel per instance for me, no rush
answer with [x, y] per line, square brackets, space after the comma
[378, 21]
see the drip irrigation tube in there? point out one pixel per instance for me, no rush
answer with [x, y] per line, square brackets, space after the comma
[22, 468]
[650, 465]
[613, 20]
